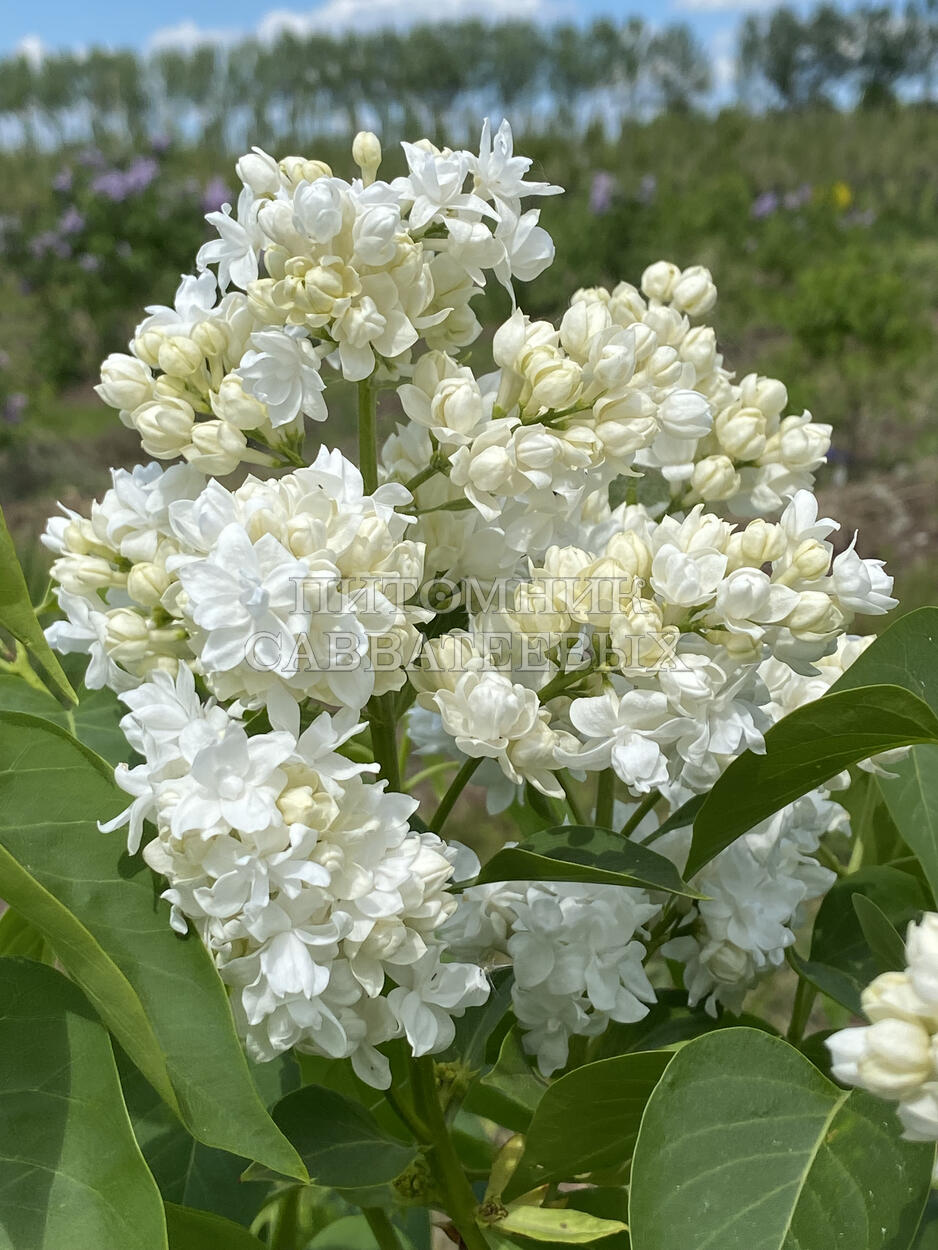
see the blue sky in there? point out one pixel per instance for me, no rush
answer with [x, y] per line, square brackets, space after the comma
[51, 24]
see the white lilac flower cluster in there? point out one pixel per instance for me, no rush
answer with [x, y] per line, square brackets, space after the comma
[305, 881]
[576, 952]
[895, 1056]
[309, 269]
[603, 556]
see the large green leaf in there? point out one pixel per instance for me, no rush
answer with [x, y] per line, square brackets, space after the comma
[904, 654]
[17, 616]
[158, 993]
[71, 1174]
[94, 720]
[585, 853]
[839, 940]
[803, 750]
[587, 1121]
[341, 1143]
[19, 937]
[510, 1092]
[199, 1230]
[744, 1145]
[911, 796]
[188, 1173]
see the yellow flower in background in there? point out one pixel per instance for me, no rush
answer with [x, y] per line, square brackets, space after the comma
[842, 196]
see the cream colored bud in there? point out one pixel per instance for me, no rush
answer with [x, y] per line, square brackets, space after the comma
[296, 805]
[126, 382]
[259, 171]
[443, 661]
[694, 292]
[147, 583]
[715, 478]
[146, 346]
[767, 394]
[699, 346]
[810, 560]
[759, 543]
[659, 280]
[297, 169]
[626, 304]
[231, 403]
[84, 575]
[165, 426]
[741, 433]
[179, 356]
[897, 1059]
[631, 552]
[212, 338]
[366, 153]
[126, 636]
[816, 616]
[892, 996]
[216, 448]
[555, 380]
[581, 323]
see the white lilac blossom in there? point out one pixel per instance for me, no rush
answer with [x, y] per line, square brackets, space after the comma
[895, 1056]
[636, 581]
[304, 880]
[577, 954]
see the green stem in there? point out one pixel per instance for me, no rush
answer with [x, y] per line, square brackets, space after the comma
[575, 810]
[285, 1230]
[368, 436]
[432, 469]
[456, 787]
[605, 798]
[455, 1190]
[805, 995]
[382, 1229]
[384, 739]
[432, 770]
[636, 818]
[559, 682]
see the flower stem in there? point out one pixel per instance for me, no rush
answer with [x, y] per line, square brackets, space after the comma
[455, 1190]
[368, 436]
[567, 786]
[605, 798]
[456, 787]
[382, 1229]
[384, 739]
[636, 818]
[805, 995]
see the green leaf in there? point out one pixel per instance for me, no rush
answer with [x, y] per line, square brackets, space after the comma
[70, 1171]
[198, 1230]
[350, 1233]
[669, 1022]
[585, 853]
[887, 946]
[802, 751]
[510, 1093]
[19, 937]
[905, 654]
[839, 986]
[340, 1141]
[744, 1145]
[839, 941]
[587, 1121]
[17, 616]
[560, 1226]
[188, 1173]
[911, 797]
[158, 993]
[93, 721]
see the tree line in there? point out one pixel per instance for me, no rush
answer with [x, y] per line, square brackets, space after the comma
[435, 77]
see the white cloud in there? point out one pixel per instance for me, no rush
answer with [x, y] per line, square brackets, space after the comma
[723, 6]
[361, 15]
[31, 48]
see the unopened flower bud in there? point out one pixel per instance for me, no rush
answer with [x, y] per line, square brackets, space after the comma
[767, 394]
[179, 356]
[694, 292]
[211, 337]
[216, 448]
[810, 560]
[659, 280]
[297, 169]
[581, 323]
[815, 616]
[231, 403]
[555, 381]
[366, 153]
[126, 382]
[126, 636]
[259, 171]
[741, 433]
[759, 543]
[147, 583]
[897, 1059]
[715, 478]
[165, 426]
[296, 805]
[892, 996]
[147, 345]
